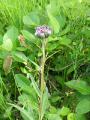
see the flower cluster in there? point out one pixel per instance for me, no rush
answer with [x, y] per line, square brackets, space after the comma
[43, 31]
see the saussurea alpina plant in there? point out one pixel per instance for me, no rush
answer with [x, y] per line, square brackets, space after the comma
[42, 32]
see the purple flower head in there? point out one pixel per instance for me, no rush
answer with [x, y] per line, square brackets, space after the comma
[43, 31]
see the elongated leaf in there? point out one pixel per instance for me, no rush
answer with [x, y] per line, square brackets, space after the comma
[24, 85]
[45, 102]
[22, 82]
[35, 85]
[28, 100]
[22, 110]
[79, 85]
[19, 56]
[36, 65]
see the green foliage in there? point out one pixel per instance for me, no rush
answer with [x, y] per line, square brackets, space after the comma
[80, 86]
[9, 39]
[31, 20]
[83, 106]
[66, 86]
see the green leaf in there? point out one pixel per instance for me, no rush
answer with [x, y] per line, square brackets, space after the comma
[22, 110]
[64, 111]
[7, 45]
[28, 35]
[9, 39]
[19, 57]
[62, 20]
[22, 82]
[65, 41]
[3, 54]
[45, 102]
[28, 100]
[80, 86]
[51, 46]
[71, 116]
[53, 117]
[80, 117]
[54, 23]
[35, 64]
[31, 20]
[24, 85]
[35, 85]
[83, 106]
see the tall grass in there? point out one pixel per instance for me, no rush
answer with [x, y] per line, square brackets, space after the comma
[12, 12]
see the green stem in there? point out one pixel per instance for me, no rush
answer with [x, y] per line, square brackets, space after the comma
[42, 65]
[42, 76]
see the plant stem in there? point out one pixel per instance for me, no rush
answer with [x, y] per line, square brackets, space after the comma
[42, 76]
[42, 65]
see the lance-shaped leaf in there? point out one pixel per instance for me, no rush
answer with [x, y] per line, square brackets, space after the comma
[36, 88]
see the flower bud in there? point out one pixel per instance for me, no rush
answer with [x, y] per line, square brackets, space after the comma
[43, 31]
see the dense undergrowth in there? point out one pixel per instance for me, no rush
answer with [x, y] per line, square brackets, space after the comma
[45, 79]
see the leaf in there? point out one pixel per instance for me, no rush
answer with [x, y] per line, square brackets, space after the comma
[7, 64]
[52, 46]
[54, 23]
[35, 64]
[53, 117]
[71, 116]
[28, 100]
[35, 85]
[9, 39]
[61, 19]
[19, 56]
[31, 20]
[65, 41]
[28, 35]
[64, 111]
[7, 45]
[22, 82]
[24, 85]
[80, 86]
[45, 102]
[28, 96]
[3, 54]
[22, 110]
[83, 106]
[80, 117]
